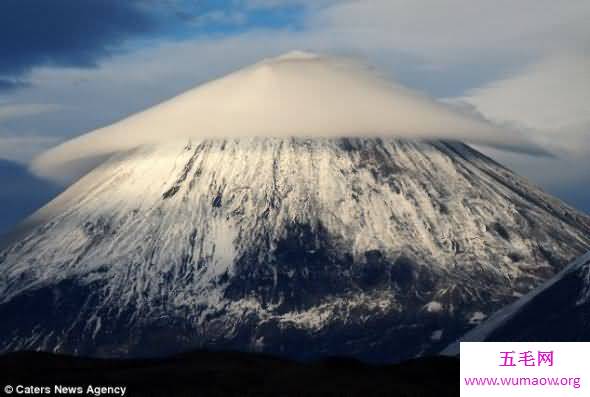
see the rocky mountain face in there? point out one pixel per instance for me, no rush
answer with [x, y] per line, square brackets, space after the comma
[381, 249]
[559, 310]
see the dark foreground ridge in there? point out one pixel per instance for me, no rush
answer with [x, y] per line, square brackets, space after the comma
[206, 373]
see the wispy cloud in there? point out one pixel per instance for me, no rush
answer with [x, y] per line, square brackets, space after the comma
[10, 111]
[448, 28]
[22, 148]
[550, 101]
[24, 145]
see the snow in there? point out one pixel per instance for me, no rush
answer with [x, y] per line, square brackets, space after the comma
[477, 318]
[298, 94]
[433, 307]
[162, 231]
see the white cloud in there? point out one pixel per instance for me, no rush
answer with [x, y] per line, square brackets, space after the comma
[458, 43]
[449, 28]
[551, 101]
[22, 148]
[559, 86]
[300, 94]
[11, 111]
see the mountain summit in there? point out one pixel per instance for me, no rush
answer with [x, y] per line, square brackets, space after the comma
[381, 249]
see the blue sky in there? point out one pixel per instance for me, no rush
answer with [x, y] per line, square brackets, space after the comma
[70, 66]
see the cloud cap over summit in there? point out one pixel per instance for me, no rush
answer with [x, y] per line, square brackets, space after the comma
[298, 94]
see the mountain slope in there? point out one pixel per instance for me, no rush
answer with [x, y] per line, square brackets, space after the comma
[381, 249]
[559, 310]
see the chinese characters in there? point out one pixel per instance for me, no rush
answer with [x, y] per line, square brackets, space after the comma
[526, 359]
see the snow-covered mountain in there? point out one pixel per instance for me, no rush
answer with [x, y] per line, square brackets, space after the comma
[382, 249]
[213, 220]
[559, 310]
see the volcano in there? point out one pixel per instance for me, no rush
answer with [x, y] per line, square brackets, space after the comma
[373, 247]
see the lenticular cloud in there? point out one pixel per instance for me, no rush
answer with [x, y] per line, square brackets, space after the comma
[298, 94]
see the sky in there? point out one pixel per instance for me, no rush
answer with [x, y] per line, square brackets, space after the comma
[72, 66]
